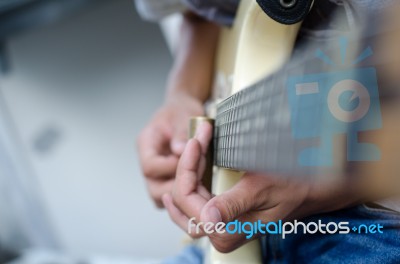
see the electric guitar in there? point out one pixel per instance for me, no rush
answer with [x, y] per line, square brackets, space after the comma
[272, 116]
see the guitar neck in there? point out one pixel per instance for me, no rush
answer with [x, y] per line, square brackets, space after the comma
[255, 127]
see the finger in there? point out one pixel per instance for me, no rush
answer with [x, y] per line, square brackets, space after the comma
[175, 214]
[155, 160]
[250, 193]
[248, 201]
[179, 218]
[179, 140]
[252, 199]
[204, 135]
[180, 135]
[227, 206]
[186, 194]
[201, 190]
[228, 242]
[157, 188]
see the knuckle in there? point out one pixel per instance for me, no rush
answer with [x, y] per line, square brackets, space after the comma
[156, 199]
[154, 195]
[177, 198]
[148, 171]
[158, 203]
[222, 246]
[233, 207]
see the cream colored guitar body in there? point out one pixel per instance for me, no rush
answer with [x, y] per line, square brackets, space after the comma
[253, 48]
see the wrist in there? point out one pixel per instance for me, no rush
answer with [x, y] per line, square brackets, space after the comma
[181, 99]
[185, 84]
[181, 96]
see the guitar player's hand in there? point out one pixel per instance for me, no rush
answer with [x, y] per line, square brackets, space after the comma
[162, 141]
[188, 195]
[255, 197]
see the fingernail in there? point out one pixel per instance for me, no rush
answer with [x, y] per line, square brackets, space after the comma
[200, 128]
[213, 215]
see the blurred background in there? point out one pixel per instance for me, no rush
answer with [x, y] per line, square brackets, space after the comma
[78, 80]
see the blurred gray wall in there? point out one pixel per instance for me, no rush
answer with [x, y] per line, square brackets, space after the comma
[79, 91]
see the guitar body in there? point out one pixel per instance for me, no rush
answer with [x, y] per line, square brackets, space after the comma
[255, 47]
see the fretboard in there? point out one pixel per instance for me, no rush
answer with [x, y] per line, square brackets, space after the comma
[254, 127]
[253, 131]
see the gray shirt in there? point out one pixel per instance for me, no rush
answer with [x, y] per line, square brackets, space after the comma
[220, 11]
[223, 11]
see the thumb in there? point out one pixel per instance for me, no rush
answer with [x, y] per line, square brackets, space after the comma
[229, 205]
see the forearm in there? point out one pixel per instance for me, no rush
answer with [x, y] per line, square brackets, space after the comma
[192, 72]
